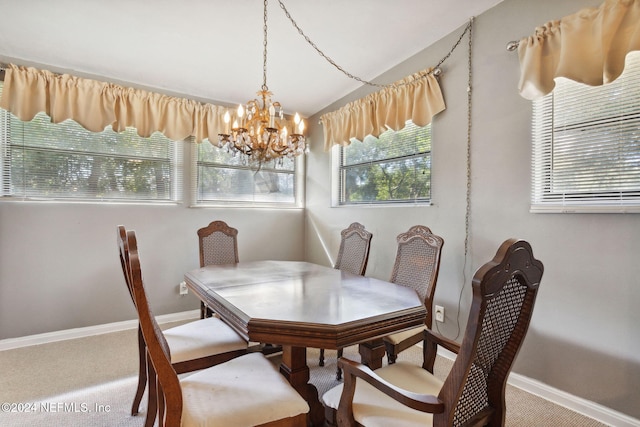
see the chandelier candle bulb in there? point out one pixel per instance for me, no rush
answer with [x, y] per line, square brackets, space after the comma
[272, 114]
[227, 119]
[240, 114]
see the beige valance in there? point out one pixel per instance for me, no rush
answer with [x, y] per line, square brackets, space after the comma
[589, 46]
[417, 97]
[95, 105]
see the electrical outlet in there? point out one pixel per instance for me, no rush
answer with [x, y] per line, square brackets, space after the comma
[439, 313]
[183, 288]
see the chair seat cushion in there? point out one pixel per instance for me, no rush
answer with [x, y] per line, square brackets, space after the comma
[245, 391]
[401, 336]
[373, 408]
[202, 338]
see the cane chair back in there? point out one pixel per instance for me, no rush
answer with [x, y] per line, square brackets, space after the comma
[353, 254]
[226, 388]
[417, 263]
[504, 293]
[353, 257]
[218, 244]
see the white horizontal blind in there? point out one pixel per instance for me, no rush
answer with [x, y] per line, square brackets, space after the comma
[586, 145]
[64, 161]
[224, 178]
[393, 168]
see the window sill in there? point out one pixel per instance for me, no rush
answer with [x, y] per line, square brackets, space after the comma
[584, 209]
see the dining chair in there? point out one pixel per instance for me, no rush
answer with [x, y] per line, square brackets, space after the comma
[353, 256]
[473, 393]
[416, 265]
[194, 345]
[243, 391]
[218, 244]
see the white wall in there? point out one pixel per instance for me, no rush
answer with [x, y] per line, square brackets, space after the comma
[584, 336]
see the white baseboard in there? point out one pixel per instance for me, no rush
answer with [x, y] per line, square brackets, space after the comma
[577, 404]
[48, 337]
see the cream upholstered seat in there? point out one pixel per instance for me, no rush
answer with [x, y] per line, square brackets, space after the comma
[245, 391]
[194, 345]
[202, 338]
[406, 395]
[217, 244]
[377, 409]
[353, 257]
[416, 265]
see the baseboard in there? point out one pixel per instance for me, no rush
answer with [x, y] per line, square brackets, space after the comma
[48, 337]
[577, 404]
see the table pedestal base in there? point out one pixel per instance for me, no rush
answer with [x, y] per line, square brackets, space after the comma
[295, 370]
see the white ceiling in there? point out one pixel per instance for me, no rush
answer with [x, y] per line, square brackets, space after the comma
[212, 49]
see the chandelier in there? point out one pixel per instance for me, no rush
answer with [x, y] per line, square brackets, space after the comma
[259, 129]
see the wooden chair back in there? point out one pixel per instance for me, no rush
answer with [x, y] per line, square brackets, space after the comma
[504, 293]
[218, 244]
[353, 254]
[417, 263]
[157, 348]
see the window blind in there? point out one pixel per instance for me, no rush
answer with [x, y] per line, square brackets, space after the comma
[393, 168]
[220, 177]
[43, 160]
[586, 146]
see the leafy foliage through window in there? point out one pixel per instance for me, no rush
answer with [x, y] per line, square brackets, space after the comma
[586, 145]
[43, 160]
[222, 177]
[396, 167]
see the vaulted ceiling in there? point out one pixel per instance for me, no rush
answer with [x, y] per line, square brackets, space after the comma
[212, 49]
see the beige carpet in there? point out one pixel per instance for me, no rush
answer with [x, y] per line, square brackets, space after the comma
[91, 382]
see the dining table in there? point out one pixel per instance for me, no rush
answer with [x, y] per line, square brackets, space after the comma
[301, 305]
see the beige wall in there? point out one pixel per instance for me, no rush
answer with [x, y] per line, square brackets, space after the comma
[584, 336]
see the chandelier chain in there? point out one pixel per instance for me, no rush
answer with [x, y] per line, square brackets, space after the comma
[467, 216]
[361, 80]
[264, 51]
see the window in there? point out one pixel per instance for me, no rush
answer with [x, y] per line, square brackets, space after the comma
[394, 168]
[586, 146]
[220, 177]
[43, 160]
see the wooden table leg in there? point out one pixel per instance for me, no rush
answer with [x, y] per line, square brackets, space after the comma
[295, 370]
[372, 352]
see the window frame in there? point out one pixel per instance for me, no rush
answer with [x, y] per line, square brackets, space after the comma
[547, 137]
[174, 161]
[337, 168]
[298, 185]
